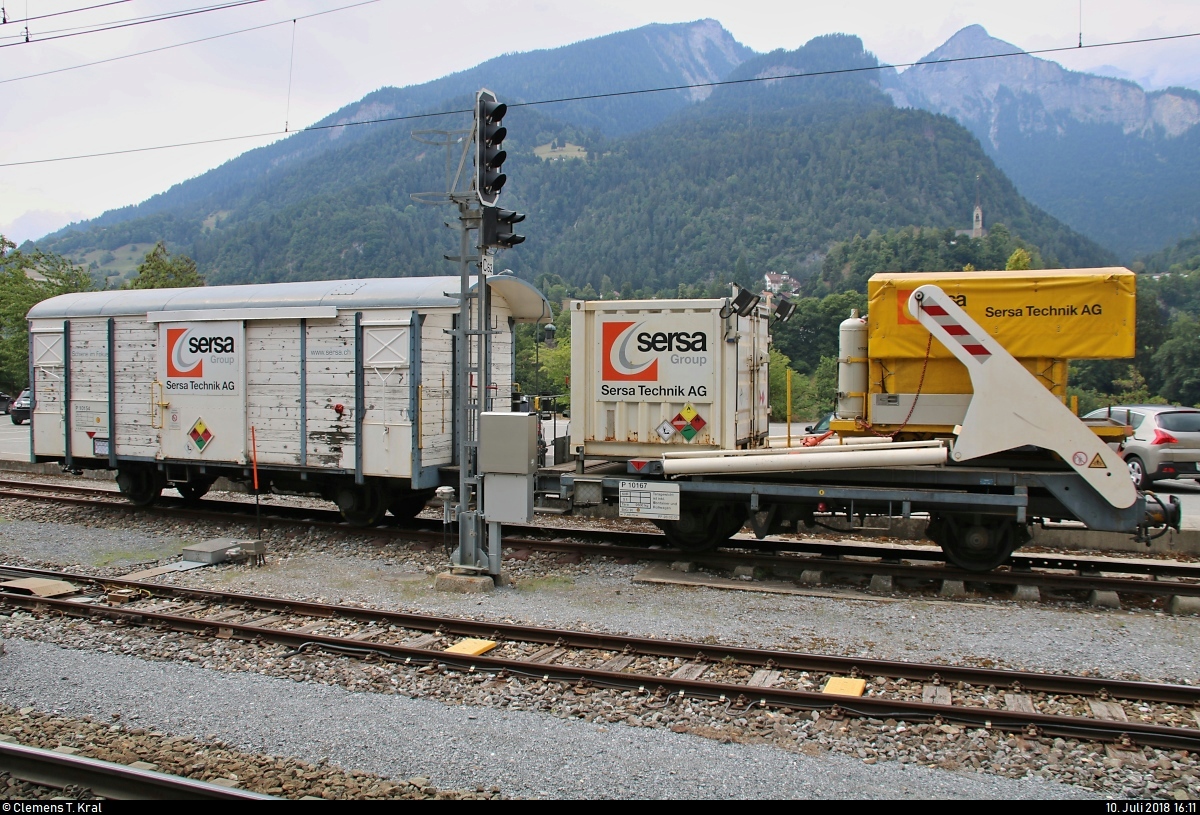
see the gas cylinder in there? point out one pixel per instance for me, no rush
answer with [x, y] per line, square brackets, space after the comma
[853, 369]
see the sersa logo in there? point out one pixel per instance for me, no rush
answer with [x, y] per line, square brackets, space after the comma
[185, 354]
[618, 337]
[181, 362]
[615, 364]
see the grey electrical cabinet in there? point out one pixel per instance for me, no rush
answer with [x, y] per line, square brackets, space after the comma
[508, 498]
[508, 443]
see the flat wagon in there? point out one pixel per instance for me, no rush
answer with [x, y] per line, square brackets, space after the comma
[343, 389]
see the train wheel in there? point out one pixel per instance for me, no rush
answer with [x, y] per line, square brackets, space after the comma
[192, 490]
[408, 505]
[703, 526]
[362, 505]
[141, 485]
[976, 544]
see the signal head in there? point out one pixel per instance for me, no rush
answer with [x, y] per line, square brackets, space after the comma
[497, 228]
[489, 158]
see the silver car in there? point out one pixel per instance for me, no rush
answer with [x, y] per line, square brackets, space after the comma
[1165, 441]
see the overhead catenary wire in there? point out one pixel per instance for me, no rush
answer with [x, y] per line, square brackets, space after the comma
[89, 27]
[291, 62]
[113, 27]
[27, 18]
[188, 42]
[614, 94]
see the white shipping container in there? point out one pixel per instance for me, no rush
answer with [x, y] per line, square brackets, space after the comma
[653, 374]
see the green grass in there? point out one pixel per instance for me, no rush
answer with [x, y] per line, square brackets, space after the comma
[156, 551]
[122, 264]
[545, 584]
[211, 221]
[567, 150]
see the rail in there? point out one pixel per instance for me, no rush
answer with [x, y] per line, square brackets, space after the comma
[105, 779]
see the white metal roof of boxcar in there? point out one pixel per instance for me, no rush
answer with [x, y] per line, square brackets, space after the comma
[526, 303]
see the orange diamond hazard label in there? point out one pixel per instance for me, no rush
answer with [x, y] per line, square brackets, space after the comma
[200, 435]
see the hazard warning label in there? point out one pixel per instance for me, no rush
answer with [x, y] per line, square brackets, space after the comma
[1097, 463]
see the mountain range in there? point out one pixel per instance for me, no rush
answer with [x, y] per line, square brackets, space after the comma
[1115, 162]
[651, 192]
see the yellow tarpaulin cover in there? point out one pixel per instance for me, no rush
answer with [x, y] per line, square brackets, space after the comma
[1053, 313]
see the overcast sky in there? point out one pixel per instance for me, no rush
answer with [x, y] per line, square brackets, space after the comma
[239, 84]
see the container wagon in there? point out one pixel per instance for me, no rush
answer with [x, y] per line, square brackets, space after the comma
[343, 389]
[975, 437]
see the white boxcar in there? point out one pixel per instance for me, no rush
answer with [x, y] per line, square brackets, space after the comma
[341, 388]
[647, 374]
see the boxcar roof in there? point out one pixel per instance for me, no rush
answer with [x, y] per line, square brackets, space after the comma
[524, 300]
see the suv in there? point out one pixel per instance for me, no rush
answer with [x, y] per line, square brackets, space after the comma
[1165, 441]
[5, 402]
[20, 408]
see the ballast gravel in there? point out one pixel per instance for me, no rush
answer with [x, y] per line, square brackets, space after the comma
[525, 754]
[359, 568]
[600, 594]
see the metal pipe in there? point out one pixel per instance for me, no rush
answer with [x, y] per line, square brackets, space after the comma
[838, 449]
[789, 409]
[112, 394]
[68, 458]
[823, 460]
[359, 398]
[303, 393]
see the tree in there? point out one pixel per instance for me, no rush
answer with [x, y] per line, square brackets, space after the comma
[161, 271]
[812, 332]
[777, 373]
[1178, 362]
[25, 280]
[1018, 261]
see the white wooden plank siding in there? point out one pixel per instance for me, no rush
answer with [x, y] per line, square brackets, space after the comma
[331, 382]
[89, 383]
[273, 391]
[136, 361]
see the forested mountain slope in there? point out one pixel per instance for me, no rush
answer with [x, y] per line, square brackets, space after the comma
[760, 177]
[649, 57]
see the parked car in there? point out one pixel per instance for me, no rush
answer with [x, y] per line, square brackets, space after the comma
[1165, 441]
[5, 402]
[818, 433]
[20, 408]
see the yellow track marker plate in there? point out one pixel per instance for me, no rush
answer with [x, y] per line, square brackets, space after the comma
[471, 647]
[845, 686]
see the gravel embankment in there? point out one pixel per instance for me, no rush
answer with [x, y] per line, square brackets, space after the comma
[525, 754]
[212, 761]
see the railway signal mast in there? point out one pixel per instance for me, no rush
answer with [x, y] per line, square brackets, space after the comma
[477, 211]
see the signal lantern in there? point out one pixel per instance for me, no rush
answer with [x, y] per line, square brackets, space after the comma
[489, 157]
[497, 228]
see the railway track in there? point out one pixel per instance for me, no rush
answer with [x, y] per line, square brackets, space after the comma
[914, 565]
[659, 672]
[104, 779]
